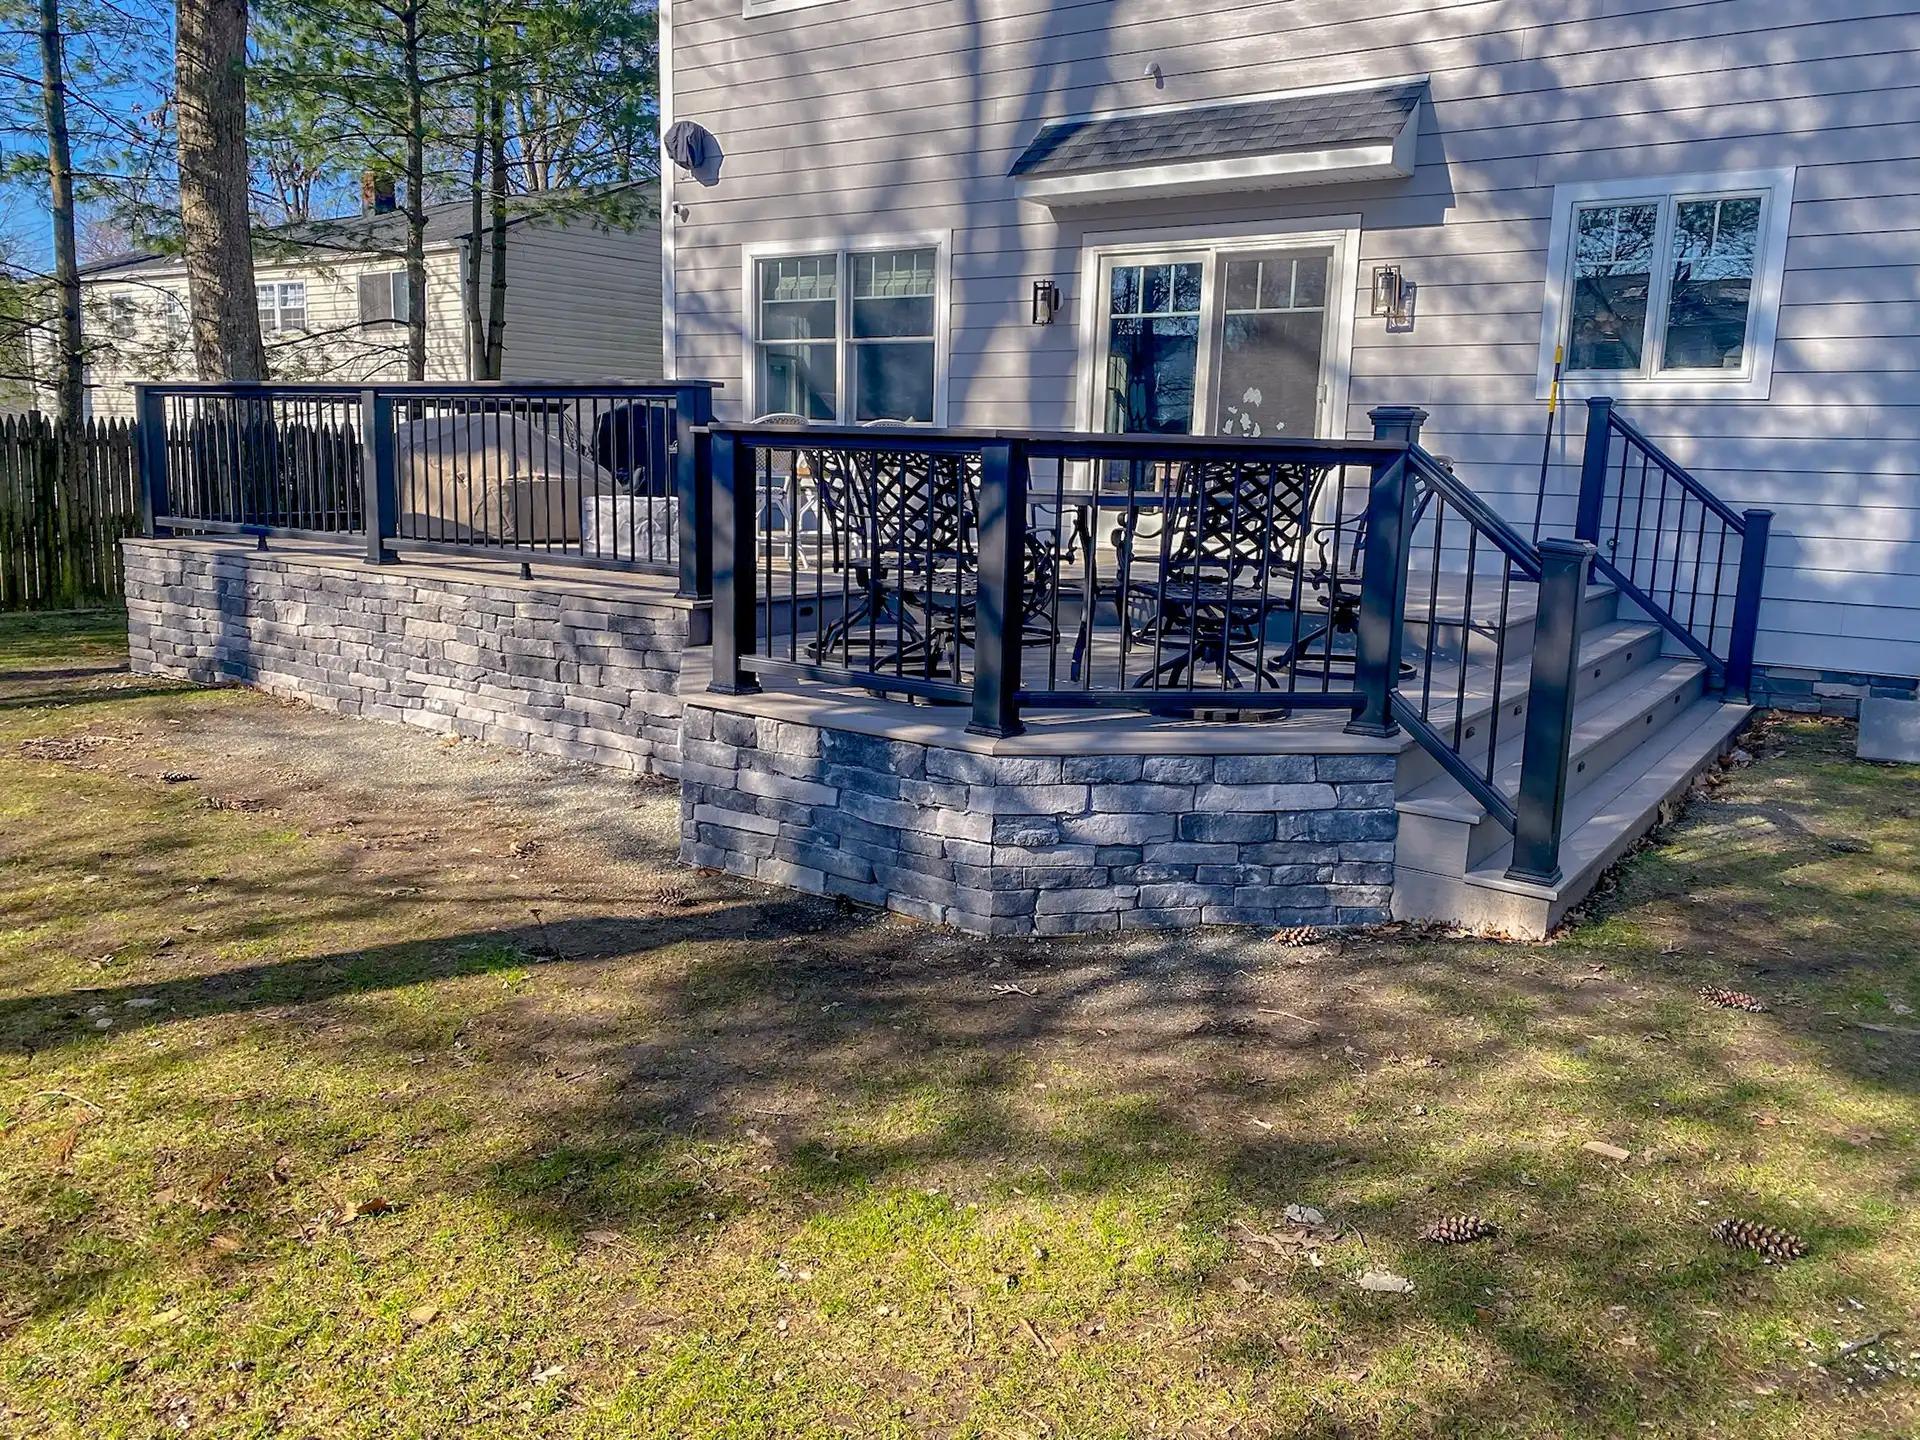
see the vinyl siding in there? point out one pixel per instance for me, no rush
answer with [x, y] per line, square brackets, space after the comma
[888, 117]
[334, 346]
[583, 303]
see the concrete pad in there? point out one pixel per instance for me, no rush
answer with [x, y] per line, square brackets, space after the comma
[1890, 730]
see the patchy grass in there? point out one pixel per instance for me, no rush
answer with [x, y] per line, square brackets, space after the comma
[353, 1083]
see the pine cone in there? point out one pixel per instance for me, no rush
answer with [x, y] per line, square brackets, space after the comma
[1458, 1230]
[1769, 1242]
[1294, 936]
[1733, 999]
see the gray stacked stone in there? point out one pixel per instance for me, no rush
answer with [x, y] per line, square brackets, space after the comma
[550, 666]
[1827, 692]
[1020, 845]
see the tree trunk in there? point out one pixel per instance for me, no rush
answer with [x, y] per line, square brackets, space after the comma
[416, 195]
[476, 324]
[215, 230]
[497, 240]
[68, 374]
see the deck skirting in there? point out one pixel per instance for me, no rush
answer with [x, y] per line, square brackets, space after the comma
[565, 664]
[1023, 844]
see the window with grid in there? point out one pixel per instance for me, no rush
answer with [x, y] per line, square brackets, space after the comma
[848, 335]
[283, 305]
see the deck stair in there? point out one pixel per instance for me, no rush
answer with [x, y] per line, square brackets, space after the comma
[1645, 723]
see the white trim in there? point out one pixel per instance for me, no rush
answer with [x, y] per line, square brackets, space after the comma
[669, 222]
[1754, 381]
[753, 9]
[1286, 169]
[840, 245]
[1340, 232]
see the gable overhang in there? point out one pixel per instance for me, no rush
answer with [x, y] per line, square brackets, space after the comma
[1283, 170]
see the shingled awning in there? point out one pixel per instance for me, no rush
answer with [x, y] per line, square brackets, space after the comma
[1311, 138]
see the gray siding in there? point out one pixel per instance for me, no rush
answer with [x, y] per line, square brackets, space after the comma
[583, 303]
[887, 117]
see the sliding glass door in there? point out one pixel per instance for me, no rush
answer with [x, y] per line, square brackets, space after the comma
[1225, 342]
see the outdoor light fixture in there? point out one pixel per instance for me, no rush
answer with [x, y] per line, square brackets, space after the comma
[1389, 293]
[1046, 301]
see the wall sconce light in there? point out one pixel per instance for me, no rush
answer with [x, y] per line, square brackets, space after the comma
[1046, 301]
[1389, 292]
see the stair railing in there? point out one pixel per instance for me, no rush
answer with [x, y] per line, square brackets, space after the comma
[1442, 562]
[1666, 541]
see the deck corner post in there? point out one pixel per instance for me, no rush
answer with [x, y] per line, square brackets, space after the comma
[378, 477]
[736, 610]
[1593, 468]
[1547, 747]
[150, 425]
[997, 639]
[1383, 571]
[693, 487]
[1746, 603]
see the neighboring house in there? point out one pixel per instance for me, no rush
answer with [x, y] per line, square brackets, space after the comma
[1713, 207]
[583, 302]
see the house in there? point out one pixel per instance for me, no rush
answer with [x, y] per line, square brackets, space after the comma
[583, 300]
[1711, 210]
[1264, 462]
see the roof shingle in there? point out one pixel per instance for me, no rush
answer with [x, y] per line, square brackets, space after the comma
[1219, 132]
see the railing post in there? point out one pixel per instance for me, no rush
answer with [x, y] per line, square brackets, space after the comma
[693, 487]
[379, 483]
[1383, 572]
[736, 610]
[1593, 469]
[150, 420]
[1548, 745]
[1746, 603]
[997, 635]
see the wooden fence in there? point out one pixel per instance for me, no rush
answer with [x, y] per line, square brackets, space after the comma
[60, 539]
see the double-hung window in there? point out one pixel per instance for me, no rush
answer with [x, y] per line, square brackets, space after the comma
[283, 305]
[847, 335]
[384, 298]
[1667, 287]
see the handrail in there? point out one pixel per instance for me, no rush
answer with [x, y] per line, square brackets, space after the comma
[1673, 467]
[618, 473]
[1644, 551]
[1517, 548]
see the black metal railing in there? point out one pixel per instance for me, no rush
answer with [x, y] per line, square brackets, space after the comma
[1172, 574]
[594, 475]
[1688, 559]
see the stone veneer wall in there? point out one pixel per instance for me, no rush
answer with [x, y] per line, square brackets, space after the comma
[1025, 845]
[1826, 692]
[558, 666]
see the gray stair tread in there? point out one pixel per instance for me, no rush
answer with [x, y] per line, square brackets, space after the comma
[1603, 820]
[1595, 718]
[1597, 645]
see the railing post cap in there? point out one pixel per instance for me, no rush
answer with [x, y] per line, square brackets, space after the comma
[1757, 513]
[1568, 548]
[1600, 402]
[1396, 413]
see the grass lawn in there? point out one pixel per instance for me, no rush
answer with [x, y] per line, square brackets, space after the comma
[354, 1082]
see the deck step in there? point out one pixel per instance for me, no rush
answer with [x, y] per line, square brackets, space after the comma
[1608, 652]
[1602, 822]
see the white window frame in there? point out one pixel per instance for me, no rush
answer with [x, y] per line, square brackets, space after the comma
[400, 294]
[1754, 379]
[280, 288]
[842, 247]
[1340, 233]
